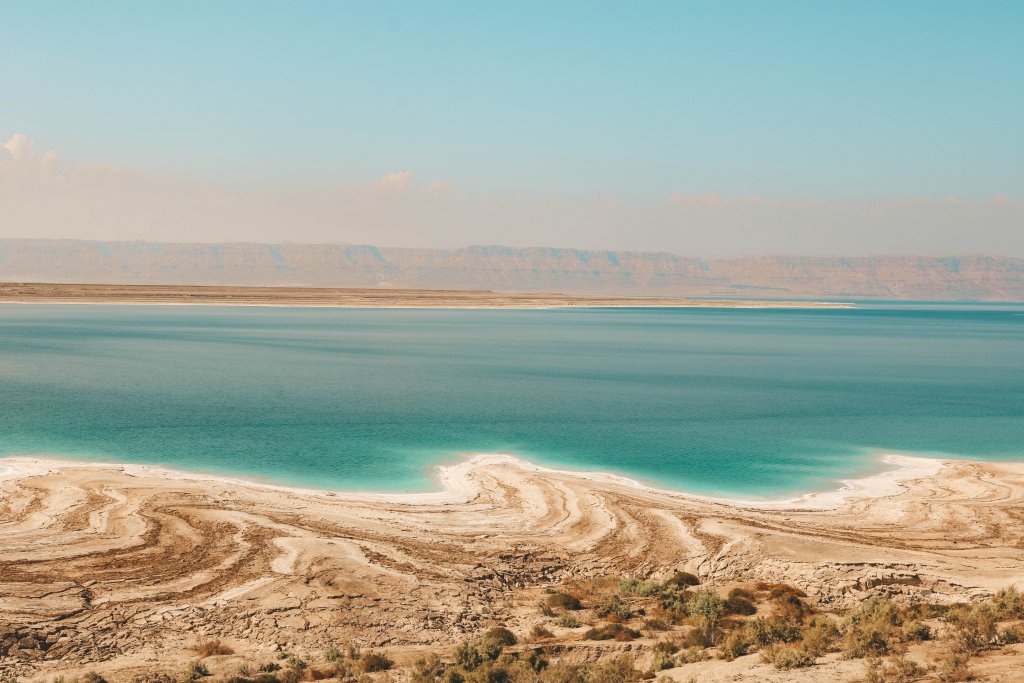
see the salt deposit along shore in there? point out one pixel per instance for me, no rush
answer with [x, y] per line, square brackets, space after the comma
[123, 565]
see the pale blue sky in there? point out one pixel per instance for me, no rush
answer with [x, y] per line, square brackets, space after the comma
[554, 101]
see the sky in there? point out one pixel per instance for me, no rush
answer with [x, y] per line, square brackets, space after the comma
[710, 128]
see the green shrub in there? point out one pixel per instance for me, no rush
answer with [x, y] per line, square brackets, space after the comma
[691, 655]
[468, 656]
[427, 669]
[1009, 604]
[786, 657]
[193, 671]
[735, 645]
[666, 646]
[705, 609]
[974, 629]
[899, 669]
[614, 670]
[655, 625]
[500, 635]
[762, 632]
[614, 608]
[1011, 635]
[820, 636]
[916, 631]
[870, 629]
[567, 621]
[662, 661]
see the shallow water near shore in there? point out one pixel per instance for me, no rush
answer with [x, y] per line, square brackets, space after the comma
[749, 403]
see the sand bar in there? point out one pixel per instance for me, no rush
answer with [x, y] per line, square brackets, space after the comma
[354, 298]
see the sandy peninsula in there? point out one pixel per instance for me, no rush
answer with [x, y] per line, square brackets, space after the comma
[121, 568]
[355, 298]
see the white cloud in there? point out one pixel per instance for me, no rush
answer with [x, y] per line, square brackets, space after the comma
[19, 147]
[393, 182]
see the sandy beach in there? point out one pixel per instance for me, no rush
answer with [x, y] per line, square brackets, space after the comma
[127, 563]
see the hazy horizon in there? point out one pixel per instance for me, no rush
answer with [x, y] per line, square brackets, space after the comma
[710, 129]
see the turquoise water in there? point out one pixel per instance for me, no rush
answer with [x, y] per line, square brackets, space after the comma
[751, 403]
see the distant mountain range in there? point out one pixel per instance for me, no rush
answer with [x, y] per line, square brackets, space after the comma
[974, 277]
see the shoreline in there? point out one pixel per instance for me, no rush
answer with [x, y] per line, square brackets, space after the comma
[458, 486]
[342, 297]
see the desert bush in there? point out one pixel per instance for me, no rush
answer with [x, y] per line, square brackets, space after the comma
[776, 591]
[92, 677]
[563, 601]
[567, 621]
[740, 592]
[786, 657]
[735, 645]
[762, 632]
[614, 670]
[705, 610]
[614, 608]
[372, 662]
[916, 631]
[427, 669]
[1011, 635]
[973, 629]
[545, 609]
[788, 603]
[899, 669]
[666, 646]
[739, 605]
[468, 656]
[141, 678]
[500, 635]
[820, 636]
[644, 589]
[293, 661]
[334, 655]
[870, 629]
[655, 625]
[208, 648]
[954, 667]
[193, 671]
[691, 655]
[538, 632]
[683, 579]
[611, 632]
[1009, 604]
[662, 661]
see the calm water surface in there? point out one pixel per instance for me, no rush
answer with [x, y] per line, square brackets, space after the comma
[745, 403]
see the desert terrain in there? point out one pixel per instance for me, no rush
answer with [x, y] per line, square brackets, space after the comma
[125, 570]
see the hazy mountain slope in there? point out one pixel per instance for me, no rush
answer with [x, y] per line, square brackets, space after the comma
[512, 269]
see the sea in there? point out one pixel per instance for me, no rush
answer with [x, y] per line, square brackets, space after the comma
[742, 403]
